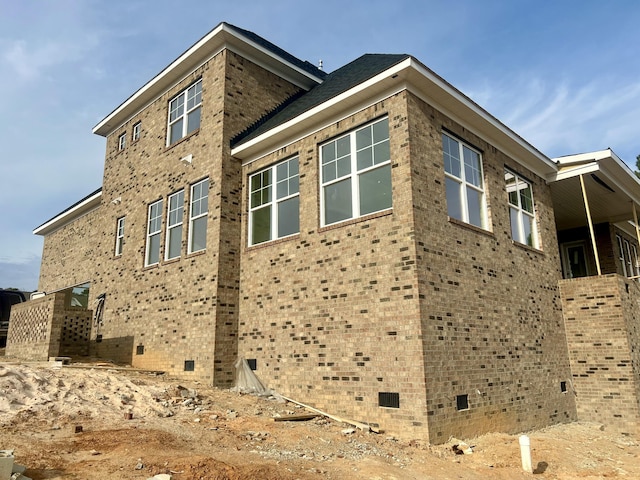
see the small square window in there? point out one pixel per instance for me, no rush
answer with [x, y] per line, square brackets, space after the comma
[462, 402]
[563, 387]
[140, 350]
[122, 141]
[189, 365]
[253, 363]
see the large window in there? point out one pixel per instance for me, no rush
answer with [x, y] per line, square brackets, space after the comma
[154, 227]
[356, 174]
[521, 212]
[464, 185]
[198, 216]
[184, 113]
[119, 236]
[274, 202]
[175, 212]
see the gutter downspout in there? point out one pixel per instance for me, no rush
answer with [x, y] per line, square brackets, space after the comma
[591, 233]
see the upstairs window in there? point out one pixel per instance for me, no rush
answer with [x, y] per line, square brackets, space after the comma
[154, 227]
[198, 216]
[122, 141]
[464, 185]
[521, 212]
[119, 236]
[628, 257]
[274, 202]
[136, 132]
[184, 113]
[175, 211]
[356, 174]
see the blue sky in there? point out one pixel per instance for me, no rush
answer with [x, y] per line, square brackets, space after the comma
[565, 75]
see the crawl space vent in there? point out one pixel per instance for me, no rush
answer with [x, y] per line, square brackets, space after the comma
[389, 399]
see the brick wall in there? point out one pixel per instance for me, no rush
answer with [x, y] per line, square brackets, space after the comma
[491, 321]
[186, 309]
[601, 318]
[48, 327]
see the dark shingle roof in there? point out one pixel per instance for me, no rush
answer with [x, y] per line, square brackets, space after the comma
[303, 64]
[337, 82]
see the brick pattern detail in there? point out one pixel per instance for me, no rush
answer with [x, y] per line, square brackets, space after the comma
[601, 317]
[46, 327]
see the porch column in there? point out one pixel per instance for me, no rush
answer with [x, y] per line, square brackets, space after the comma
[591, 233]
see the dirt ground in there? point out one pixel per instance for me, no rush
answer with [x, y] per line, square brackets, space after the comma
[191, 432]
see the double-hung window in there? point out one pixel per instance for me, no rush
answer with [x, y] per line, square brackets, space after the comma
[122, 141]
[136, 132]
[184, 113]
[628, 256]
[521, 211]
[198, 211]
[175, 212]
[154, 228]
[356, 174]
[464, 184]
[119, 236]
[274, 202]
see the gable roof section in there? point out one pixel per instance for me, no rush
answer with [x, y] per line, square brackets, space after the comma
[78, 209]
[337, 82]
[225, 36]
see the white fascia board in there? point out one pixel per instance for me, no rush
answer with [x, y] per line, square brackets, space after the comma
[583, 157]
[201, 52]
[580, 169]
[79, 210]
[456, 105]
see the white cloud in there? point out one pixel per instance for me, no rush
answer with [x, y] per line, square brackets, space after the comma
[566, 117]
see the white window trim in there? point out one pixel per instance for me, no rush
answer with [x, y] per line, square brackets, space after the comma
[621, 255]
[192, 219]
[135, 135]
[119, 236]
[353, 176]
[635, 259]
[464, 184]
[150, 233]
[522, 213]
[273, 204]
[185, 112]
[122, 141]
[172, 227]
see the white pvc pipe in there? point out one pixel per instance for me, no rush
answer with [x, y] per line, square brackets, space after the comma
[525, 453]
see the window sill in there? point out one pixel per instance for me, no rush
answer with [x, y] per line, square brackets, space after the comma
[270, 243]
[182, 140]
[353, 221]
[468, 226]
[195, 254]
[524, 246]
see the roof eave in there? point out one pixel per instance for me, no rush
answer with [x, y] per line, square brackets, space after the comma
[221, 37]
[82, 208]
[427, 85]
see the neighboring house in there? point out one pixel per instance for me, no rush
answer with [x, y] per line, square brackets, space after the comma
[374, 243]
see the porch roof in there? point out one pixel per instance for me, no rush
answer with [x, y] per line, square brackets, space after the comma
[611, 188]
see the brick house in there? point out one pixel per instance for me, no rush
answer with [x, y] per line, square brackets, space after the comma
[375, 243]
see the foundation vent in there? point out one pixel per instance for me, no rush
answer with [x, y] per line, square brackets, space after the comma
[462, 402]
[389, 399]
[189, 365]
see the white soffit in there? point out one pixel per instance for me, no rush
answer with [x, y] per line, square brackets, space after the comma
[221, 37]
[423, 83]
[76, 211]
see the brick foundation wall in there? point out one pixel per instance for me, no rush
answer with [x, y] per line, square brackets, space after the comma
[601, 318]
